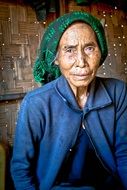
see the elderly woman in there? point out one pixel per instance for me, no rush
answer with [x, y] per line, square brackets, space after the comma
[72, 132]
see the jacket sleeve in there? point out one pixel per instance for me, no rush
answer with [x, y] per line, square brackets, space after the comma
[121, 134]
[27, 134]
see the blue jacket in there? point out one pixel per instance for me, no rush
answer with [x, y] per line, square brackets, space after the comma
[48, 124]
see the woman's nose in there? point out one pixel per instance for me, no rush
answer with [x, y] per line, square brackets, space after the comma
[81, 59]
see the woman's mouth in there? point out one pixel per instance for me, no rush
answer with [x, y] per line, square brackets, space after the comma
[81, 76]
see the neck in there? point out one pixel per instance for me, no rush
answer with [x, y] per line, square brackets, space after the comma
[81, 94]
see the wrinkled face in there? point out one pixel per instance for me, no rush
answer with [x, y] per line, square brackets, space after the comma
[78, 55]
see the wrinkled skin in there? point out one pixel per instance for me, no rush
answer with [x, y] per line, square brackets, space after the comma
[79, 58]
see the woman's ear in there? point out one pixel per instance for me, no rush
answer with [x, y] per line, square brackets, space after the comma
[102, 21]
[56, 62]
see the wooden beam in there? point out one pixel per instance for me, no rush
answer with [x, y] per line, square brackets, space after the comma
[9, 97]
[62, 4]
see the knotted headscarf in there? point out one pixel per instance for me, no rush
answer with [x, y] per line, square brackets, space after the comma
[44, 67]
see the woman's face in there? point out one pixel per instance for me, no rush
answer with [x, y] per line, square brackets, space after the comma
[78, 55]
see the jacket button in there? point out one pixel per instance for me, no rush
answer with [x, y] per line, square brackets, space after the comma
[70, 149]
[83, 126]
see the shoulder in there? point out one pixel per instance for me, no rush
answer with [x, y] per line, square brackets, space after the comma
[40, 95]
[40, 92]
[116, 88]
[112, 83]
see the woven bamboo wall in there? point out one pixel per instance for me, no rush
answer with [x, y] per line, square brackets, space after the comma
[20, 34]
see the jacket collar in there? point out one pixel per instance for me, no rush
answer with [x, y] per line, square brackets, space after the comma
[98, 95]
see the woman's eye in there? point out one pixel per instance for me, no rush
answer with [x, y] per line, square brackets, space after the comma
[69, 50]
[89, 49]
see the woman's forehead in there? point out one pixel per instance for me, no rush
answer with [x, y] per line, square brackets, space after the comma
[77, 31]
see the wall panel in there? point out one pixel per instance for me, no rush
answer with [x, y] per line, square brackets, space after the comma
[20, 35]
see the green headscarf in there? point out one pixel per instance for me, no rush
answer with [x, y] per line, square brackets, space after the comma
[44, 68]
